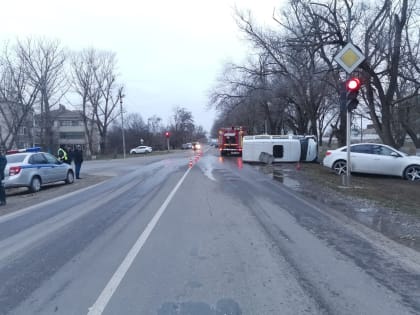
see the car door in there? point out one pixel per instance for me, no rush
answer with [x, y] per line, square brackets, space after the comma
[57, 170]
[40, 167]
[361, 158]
[387, 161]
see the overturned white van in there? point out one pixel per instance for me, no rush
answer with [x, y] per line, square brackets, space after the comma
[281, 148]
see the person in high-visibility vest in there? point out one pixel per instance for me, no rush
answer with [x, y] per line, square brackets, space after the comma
[63, 155]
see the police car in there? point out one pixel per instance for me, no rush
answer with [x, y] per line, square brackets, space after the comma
[33, 169]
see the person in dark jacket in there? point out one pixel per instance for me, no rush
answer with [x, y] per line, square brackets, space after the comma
[3, 162]
[78, 160]
[70, 154]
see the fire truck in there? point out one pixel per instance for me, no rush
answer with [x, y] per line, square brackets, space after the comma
[230, 140]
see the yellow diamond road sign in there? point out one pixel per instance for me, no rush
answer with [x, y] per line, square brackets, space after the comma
[349, 58]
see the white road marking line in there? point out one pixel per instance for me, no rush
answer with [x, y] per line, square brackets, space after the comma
[99, 306]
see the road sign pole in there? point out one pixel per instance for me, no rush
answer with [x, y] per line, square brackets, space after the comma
[349, 58]
[348, 142]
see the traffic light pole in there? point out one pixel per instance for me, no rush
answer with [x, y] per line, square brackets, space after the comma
[352, 87]
[348, 142]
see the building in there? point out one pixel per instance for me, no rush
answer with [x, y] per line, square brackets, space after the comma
[16, 125]
[69, 130]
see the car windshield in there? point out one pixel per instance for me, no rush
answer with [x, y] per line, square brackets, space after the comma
[50, 158]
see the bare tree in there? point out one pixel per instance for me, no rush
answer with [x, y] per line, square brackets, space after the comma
[154, 124]
[182, 126]
[240, 97]
[95, 81]
[105, 94]
[17, 97]
[83, 81]
[136, 133]
[381, 30]
[44, 61]
[287, 82]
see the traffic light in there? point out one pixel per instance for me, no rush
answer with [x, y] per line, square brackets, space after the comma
[352, 86]
[167, 134]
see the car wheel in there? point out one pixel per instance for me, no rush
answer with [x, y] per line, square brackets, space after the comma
[340, 167]
[69, 178]
[412, 173]
[35, 184]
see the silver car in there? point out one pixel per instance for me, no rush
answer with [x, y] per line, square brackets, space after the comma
[34, 169]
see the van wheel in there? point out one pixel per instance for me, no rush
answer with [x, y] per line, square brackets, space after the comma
[35, 184]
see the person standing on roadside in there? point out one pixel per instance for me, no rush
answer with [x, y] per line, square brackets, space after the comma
[63, 156]
[70, 152]
[3, 162]
[78, 160]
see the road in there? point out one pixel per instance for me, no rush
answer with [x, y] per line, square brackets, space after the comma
[217, 237]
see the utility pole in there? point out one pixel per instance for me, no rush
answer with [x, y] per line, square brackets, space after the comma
[122, 122]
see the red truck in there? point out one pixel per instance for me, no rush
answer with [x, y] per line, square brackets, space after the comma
[230, 140]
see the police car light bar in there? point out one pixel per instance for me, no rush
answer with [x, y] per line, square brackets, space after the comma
[33, 149]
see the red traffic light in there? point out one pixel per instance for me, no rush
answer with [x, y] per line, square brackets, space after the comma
[167, 134]
[353, 84]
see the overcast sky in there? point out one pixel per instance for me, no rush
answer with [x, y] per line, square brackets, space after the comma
[169, 52]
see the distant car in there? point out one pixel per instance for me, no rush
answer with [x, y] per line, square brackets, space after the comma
[34, 169]
[186, 146]
[374, 158]
[196, 146]
[141, 149]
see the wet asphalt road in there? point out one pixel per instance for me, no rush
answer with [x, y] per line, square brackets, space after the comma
[161, 238]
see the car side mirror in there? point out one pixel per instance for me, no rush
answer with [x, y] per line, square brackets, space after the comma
[395, 154]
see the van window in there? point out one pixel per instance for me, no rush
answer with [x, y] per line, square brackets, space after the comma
[278, 151]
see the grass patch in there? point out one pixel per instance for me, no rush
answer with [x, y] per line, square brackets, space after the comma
[391, 192]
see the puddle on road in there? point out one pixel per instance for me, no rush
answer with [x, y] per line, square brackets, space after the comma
[280, 175]
[367, 216]
[284, 179]
[206, 167]
[399, 226]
